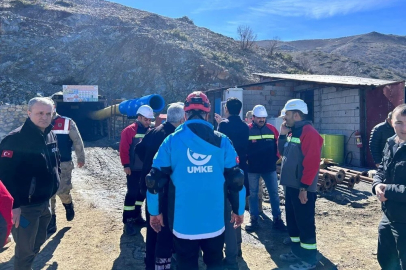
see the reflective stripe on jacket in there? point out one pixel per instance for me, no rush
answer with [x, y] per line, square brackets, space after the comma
[262, 148]
[301, 151]
[130, 136]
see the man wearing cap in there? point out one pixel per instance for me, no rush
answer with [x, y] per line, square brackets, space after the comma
[262, 156]
[132, 164]
[300, 145]
[202, 166]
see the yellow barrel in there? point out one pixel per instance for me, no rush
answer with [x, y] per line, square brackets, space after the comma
[333, 147]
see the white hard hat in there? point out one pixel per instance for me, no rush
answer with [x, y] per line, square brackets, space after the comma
[146, 111]
[294, 104]
[259, 111]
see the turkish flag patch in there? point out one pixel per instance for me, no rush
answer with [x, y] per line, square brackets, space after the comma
[7, 153]
[237, 159]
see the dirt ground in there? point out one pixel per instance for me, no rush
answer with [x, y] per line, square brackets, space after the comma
[346, 227]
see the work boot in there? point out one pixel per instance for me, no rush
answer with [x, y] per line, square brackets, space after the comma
[70, 212]
[52, 225]
[278, 224]
[252, 226]
[289, 257]
[130, 229]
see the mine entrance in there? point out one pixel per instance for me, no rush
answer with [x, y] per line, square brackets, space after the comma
[90, 129]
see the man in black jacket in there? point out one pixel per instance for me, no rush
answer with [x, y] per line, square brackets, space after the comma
[237, 131]
[379, 134]
[29, 168]
[158, 245]
[262, 155]
[390, 188]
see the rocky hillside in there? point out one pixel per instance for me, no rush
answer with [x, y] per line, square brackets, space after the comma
[370, 55]
[127, 52]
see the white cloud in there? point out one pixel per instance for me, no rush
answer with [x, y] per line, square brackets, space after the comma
[318, 8]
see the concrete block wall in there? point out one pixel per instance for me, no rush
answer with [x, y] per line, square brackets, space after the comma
[337, 111]
[11, 117]
[273, 97]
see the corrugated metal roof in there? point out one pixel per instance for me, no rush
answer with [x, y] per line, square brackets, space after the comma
[332, 79]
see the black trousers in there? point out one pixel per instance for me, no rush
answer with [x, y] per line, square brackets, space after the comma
[30, 238]
[301, 224]
[392, 245]
[187, 253]
[133, 198]
[158, 245]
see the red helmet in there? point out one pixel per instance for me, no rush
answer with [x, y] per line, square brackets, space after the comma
[197, 101]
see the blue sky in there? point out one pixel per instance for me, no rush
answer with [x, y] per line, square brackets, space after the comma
[287, 19]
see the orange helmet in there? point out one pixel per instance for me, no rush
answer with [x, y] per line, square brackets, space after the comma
[197, 101]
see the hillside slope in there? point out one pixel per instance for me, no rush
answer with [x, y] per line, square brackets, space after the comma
[127, 52]
[374, 55]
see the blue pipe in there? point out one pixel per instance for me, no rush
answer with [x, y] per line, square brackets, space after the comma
[130, 107]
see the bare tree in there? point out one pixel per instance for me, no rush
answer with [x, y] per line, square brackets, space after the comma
[246, 36]
[304, 63]
[273, 45]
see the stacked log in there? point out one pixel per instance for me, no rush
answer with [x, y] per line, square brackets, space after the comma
[332, 176]
[351, 177]
[326, 182]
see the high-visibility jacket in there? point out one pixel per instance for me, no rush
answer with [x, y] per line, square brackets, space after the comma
[130, 136]
[262, 148]
[301, 151]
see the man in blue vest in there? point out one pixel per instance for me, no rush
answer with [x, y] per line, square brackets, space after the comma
[203, 169]
[67, 135]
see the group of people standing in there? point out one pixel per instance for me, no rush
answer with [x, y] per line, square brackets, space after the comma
[196, 181]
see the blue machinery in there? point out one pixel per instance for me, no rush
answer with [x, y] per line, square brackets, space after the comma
[129, 107]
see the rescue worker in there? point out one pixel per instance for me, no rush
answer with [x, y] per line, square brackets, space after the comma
[262, 157]
[203, 168]
[390, 188]
[237, 131]
[132, 164]
[29, 168]
[379, 135]
[68, 135]
[158, 245]
[248, 120]
[6, 216]
[300, 145]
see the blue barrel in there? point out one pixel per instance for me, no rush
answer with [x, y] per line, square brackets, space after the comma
[130, 107]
